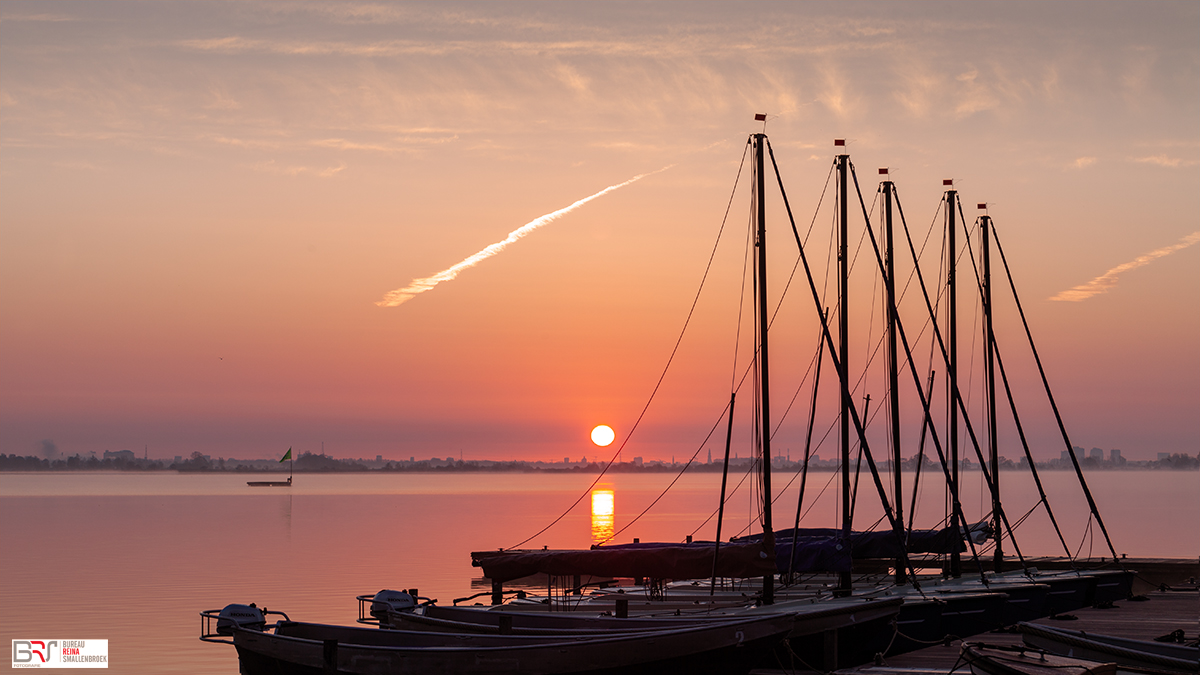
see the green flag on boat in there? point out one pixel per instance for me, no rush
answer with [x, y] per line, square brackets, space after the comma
[286, 456]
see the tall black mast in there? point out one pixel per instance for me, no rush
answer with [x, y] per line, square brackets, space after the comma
[990, 371]
[764, 370]
[952, 329]
[893, 380]
[843, 169]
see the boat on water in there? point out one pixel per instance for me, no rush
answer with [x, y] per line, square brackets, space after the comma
[270, 483]
[287, 457]
[292, 647]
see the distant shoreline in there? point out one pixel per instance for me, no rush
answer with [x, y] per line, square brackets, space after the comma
[309, 463]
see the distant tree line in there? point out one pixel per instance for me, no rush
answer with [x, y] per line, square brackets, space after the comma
[77, 463]
[310, 463]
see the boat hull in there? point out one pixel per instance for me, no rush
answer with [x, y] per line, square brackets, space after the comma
[1126, 652]
[1005, 660]
[310, 649]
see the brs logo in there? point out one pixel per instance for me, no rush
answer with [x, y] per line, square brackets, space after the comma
[24, 651]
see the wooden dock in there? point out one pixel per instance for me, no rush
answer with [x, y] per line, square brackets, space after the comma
[1159, 614]
[1152, 573]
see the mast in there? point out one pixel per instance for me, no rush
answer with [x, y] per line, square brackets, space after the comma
[990, 372]
[893, 379]
[843, 164]
[764, 370]
[952, 368]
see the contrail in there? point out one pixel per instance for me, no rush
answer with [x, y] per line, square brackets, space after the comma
[400, 295]
[1107, 280]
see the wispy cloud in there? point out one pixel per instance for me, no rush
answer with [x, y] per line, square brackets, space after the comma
[1083, 162]
[275, 168]
[44, 17]
[402, 295]
[1164, 160]
[1105, 281]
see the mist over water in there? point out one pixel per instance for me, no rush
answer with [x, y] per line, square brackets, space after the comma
[132, 557]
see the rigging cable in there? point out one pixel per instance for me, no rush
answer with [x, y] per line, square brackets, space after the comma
[840, 366]
[955, 398]
[666, 367]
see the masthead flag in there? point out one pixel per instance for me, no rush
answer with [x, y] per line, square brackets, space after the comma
[286, 456]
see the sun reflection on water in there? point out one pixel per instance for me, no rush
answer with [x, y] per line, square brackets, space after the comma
[603, 518]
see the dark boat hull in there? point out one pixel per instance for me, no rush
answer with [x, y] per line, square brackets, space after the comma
[926, 621]
[1110, 586]
[1123, 651]
[309, 649]
[1006, 660]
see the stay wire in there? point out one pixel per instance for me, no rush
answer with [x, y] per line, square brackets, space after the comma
[667, 367]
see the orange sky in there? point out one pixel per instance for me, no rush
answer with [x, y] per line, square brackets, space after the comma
[201, 204]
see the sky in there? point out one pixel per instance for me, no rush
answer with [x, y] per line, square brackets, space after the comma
[202, 206]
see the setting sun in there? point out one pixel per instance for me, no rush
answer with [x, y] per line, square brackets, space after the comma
[603, 435]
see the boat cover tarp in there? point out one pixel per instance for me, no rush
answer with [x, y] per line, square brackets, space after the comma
[655, 561]
[822, 549]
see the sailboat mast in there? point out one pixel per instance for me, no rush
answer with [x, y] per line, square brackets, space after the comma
[764, 370]
[843, 170]
[893, 378]
[952, 329]
[990, 368]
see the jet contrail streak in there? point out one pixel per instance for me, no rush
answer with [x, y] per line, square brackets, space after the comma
[400, 295]
[1107, 280]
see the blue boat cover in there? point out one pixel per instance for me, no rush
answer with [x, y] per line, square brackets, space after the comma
[822, 549]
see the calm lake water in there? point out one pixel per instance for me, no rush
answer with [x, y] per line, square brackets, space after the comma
[132, 558]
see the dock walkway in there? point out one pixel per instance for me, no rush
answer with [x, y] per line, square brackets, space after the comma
[1159, 614]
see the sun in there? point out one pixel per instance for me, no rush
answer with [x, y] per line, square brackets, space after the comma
[603, 435]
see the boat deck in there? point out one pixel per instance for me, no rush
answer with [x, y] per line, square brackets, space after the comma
[1161, 613]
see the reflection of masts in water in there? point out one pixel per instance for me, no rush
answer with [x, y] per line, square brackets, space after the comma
[286, 512]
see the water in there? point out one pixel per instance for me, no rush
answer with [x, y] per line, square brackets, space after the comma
[132, 558]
